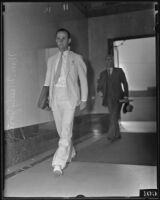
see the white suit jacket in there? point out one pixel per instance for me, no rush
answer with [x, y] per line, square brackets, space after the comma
[75, 69]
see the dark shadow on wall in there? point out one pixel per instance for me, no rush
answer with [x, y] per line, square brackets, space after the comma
[91, 86]
[74, 44]
[90, 75]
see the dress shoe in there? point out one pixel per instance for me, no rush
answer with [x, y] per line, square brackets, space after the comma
[73, 155]
[110, 138]
[70, 159]
[57, 170]
[114, 138]
[117, 137]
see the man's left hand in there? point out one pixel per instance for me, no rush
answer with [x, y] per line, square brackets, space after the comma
[83, 104]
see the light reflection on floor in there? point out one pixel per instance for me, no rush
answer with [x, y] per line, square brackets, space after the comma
[140, 127]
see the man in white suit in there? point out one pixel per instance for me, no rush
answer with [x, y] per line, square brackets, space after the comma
[64, 70]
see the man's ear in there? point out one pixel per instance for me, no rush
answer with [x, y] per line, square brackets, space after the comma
[69, 41]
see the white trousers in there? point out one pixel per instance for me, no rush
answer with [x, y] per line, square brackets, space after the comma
[63, 114]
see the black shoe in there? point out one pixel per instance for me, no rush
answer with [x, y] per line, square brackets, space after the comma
[117, 137]
[110, 138]
[114, 138]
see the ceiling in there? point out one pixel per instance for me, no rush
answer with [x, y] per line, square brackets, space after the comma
[101, 8]
[39, 12]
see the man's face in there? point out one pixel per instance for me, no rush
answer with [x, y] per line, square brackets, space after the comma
[109, 62]
[62, 40]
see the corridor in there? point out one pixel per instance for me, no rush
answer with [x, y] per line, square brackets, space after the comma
[93, 31]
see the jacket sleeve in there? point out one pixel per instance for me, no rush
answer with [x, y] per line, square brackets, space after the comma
[125, 83]
[48, 74]
[101, 83]
[82, 73]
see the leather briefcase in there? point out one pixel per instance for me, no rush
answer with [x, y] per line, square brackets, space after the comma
[43, 101]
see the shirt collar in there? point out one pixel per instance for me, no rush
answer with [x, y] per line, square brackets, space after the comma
[65, 53]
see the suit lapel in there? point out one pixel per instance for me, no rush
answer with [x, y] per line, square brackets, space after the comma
[53, 66]
[70, 60]
[54, 63]
[68, 64]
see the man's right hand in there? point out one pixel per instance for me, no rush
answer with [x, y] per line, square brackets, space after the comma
[100, 94]
[83, 105]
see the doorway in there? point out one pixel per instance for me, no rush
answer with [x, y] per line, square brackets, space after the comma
[137, 58]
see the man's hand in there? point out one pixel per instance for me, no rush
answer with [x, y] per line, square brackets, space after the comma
[83, 104]
[124, 100]
[100, 94]
[47, 107]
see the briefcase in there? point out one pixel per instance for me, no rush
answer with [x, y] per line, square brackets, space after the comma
[43, 101]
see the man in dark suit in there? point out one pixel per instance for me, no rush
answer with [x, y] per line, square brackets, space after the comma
[110, 85]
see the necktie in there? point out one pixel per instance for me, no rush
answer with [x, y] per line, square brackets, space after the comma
[109, 72]
[58, 71]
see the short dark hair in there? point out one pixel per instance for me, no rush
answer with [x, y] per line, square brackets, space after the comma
[64, 30]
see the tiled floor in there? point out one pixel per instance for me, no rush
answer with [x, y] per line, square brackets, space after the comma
[36, 179]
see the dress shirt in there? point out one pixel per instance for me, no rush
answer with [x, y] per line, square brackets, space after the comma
[110, 70]
[62, 79]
